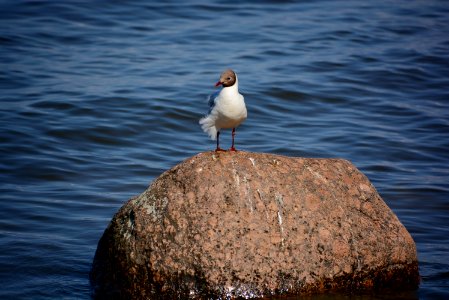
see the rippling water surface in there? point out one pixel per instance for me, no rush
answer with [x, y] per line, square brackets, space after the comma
[100, 97]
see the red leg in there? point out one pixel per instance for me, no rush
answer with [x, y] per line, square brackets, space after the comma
[218, 143]
[233, 135]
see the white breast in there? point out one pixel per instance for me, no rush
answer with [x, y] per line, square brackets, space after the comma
[230, 108]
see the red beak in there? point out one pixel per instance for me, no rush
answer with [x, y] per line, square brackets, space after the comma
[218, 83]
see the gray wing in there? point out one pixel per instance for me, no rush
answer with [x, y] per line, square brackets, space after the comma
[211, 100]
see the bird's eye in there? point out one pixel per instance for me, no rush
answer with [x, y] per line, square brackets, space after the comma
[229, 78]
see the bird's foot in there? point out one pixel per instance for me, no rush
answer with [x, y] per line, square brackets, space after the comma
[219, 149]
[233, 149]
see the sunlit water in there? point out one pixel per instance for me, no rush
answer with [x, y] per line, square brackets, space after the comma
[100, 97]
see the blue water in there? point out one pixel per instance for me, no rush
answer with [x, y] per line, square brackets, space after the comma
[97, 98]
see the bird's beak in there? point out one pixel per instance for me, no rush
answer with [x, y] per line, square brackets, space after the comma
[218, 83]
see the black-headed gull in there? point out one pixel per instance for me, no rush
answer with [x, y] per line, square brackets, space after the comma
[226, 108]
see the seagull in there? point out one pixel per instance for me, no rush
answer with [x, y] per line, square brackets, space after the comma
[226, 109]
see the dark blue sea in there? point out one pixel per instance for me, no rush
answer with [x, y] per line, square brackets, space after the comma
[97, 98]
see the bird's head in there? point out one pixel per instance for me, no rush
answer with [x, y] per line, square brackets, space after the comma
[227, 78]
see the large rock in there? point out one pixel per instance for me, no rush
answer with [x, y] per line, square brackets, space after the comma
[251, 225]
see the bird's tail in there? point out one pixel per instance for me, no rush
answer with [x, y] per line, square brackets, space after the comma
[208, 127]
